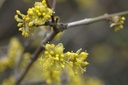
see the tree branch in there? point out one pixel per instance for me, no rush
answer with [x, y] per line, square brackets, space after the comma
[48, 3]
[34, 83]
[54, 5]
[61, 27]
[87, 21]
[34, 57]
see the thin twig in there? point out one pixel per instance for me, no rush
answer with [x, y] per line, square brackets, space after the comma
[39, 82]
[48, 3]
[87, 21]
[54, 5]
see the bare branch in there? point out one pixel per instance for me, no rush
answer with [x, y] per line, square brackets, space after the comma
[48, 3]
[87, 21]
[34, 83]
[2, 2]
[54, 5]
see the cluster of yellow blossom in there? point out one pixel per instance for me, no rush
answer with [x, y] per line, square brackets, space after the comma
[81, 79]
[36, 16]
[9, 81]
[56, 59]
[117, 22]
[15, 50]
[73, 79]
[77, 61]
[51, 76]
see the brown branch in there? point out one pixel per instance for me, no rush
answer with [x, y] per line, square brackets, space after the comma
[35, 83]
[34, 57]
[54, 5]
[48, 3]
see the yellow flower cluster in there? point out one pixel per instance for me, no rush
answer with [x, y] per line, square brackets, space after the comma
[74, 79]
[9, 81]
[56, 59]
[117, 22]
[36, 16]
[15, 50]
[51, 76]
[77, 61]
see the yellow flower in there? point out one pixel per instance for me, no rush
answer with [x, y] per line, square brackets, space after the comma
[15, 50]
[57, 59]
[117, 23]
[36, 15]
[9, 81]
[54, 60]
[59, 49]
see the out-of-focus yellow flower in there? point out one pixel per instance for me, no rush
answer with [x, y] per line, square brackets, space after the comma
[15, 50]
[91, 80]
[58, 36]
[9, 81]
[52, 76]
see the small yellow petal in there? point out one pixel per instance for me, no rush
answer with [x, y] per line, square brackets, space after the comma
[62, 66]
[30, 24]
[121, 26]
[123, 18]
[46, 52]
[27, 19]
[51, 52]
[20, 29]
[18, 12]
[20, 24]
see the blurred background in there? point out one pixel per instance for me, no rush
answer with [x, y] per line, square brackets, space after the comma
[108, 50]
